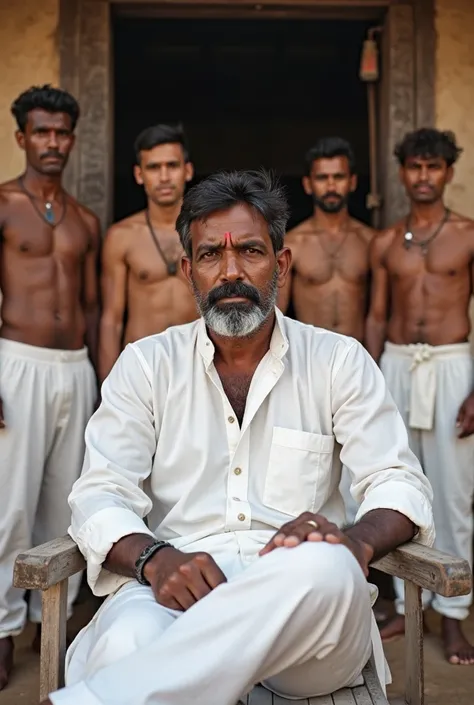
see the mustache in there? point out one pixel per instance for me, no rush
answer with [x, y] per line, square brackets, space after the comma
[51, 153]
[332, 194]
[233, 289]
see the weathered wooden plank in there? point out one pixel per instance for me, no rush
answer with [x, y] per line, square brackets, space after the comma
[428, 568]
[414, 666]
[260, 696]
[321, 700]
[278, 700]
[343, 697]
[48, 564]
[373, 686]
[361, 695]
[53, 639]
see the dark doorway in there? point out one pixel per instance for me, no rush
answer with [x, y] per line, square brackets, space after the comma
[249, 94]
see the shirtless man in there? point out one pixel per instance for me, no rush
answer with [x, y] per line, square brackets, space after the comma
[422, 285]
[329, 280]
[141, 275]
[48, 277]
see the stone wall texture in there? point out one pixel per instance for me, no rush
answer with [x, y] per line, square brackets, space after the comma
[455, 92]
[28, 55]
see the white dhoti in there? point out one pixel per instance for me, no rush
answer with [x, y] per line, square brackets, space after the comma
[48, 396]
[298, 620]
[429, 385]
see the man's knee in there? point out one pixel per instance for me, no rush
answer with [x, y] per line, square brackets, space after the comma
[127, 627]
[321, 566]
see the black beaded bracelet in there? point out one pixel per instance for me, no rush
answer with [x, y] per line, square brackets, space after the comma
[145, 556]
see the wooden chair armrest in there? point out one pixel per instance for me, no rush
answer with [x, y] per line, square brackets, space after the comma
[428, 568]
[48, 564]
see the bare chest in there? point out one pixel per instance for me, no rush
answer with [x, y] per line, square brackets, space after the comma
[236, 387]
[151, 263]
[444, 258]
[318, 263]
[29, 236]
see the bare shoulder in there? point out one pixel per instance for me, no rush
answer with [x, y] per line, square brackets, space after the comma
[365, 232]
[121, 235]
[89, 218]
[9, 190]
[462, 225]
[296, 235]
[383, 239]
[10, 193]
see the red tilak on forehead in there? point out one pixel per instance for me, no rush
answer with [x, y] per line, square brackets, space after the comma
[227, 239]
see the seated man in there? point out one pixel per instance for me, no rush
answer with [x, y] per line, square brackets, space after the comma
[222, 434]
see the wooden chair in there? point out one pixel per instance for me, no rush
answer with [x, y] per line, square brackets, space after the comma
[48, 567]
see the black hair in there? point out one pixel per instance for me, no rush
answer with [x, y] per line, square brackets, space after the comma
[258, 189]
[53, 100]
[161, 134]
[427, 143]
[328, 148]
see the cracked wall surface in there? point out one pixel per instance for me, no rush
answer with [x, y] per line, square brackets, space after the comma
[28, 55]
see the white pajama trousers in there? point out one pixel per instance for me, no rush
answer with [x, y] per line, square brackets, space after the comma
[429, 384]
[48, 396]
[298, 619]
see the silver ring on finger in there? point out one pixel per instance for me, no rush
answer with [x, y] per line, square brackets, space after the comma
[313, 523]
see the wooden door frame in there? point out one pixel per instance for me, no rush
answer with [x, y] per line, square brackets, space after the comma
[86, 70]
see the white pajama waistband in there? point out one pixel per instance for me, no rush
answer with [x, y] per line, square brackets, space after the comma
[423, 359]
[12, 348]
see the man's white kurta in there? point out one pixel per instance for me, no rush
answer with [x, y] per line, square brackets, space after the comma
[166, 446]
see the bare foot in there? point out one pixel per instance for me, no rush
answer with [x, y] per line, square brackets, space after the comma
[393, 629]
[456, 647]
[6, 660]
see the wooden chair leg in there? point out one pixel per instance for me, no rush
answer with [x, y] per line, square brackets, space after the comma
[414, 662]
[53, 638]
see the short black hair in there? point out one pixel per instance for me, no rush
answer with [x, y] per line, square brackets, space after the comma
[328, 148]
[161, 134]
[53, 100]
[258, 189]
[427, 143]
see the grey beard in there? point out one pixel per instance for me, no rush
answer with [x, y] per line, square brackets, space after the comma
[239, 320]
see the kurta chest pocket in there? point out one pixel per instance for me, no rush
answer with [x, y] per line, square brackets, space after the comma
[298, 460]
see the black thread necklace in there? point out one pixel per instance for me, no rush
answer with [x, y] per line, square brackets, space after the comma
[409, 239]
[171, 265]
[48, 215]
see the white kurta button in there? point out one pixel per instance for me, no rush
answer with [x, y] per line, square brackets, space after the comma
[237, 471]
[231, 419]
[241, 517]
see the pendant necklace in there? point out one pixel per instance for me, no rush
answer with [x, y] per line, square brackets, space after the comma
[48, 215]
[409, 239]
[171, 265]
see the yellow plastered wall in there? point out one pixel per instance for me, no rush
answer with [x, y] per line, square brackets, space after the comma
[28, 55]
[455, 92]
